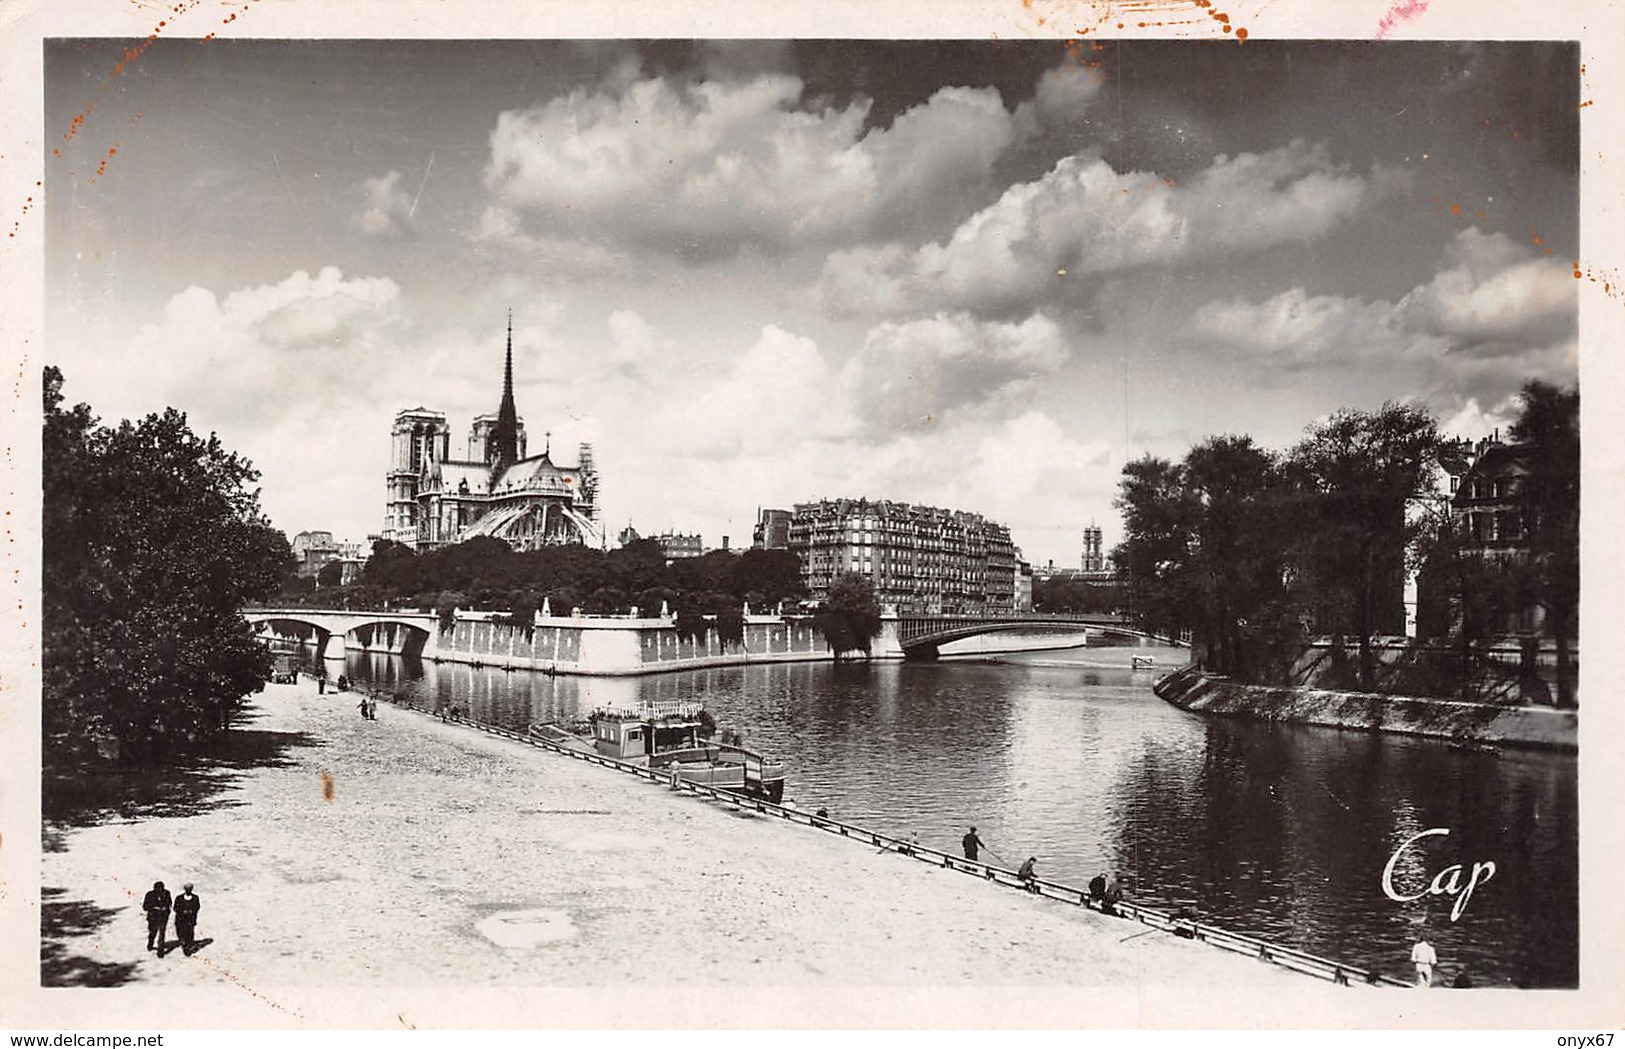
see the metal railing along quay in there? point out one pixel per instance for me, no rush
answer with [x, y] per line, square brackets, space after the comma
[1155, 920]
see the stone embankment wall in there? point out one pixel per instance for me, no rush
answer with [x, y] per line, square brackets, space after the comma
[571, 645]
[1457, 722]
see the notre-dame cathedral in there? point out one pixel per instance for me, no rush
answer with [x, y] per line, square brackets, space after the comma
[435, 500]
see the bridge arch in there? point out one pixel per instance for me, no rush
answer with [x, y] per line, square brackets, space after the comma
[281, 626]
[333, 633]
[385, 634]
[920, 637]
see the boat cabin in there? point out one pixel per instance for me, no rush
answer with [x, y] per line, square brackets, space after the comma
[629, 735]
[677, 736]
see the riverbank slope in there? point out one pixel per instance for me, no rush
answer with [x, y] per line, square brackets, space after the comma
[1462, 723]
[405, 852]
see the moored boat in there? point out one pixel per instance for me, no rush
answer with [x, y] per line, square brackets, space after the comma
[674, 737]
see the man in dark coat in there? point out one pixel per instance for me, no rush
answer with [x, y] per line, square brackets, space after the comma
[1114, 895]
[972, 843]
[186, 907]
[156, 904]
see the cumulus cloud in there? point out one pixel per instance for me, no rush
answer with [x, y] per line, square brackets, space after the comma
[1085, 218]
[778, 393]
[700, 169]
[268, 325]
[1493, 316]
[1295, 330]
[782, 425]
[1495, 298]
[911, 374]
[1473, 422]
[388, 207]
[1062, 97]
[1026, 471]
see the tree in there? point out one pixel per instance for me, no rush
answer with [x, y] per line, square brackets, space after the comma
[390, 565]
[1470, 596]
[690, 624]
[1236, 562]
[1549, 427]
[638, 566]
[730, 627]
[766, 577]
[152, 541]
[1073, 595]
[850, 616]
[1356, 472]
[1159, 520]
[331, 575]
[1202, 547]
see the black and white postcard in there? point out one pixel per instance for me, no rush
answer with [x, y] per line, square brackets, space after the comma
[1043, 515]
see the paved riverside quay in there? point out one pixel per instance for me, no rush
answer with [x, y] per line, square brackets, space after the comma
[404, 851]
[1287, 957]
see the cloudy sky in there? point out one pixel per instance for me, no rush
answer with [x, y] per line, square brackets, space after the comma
[970, 274]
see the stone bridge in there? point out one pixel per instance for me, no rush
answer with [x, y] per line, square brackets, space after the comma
[333, 631]
[919, 636]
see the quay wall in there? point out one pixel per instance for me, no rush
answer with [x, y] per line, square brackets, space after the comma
[620, 646]
[589, 645]
[1467, 724]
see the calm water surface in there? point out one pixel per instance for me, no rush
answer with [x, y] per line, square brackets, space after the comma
[1277, 831]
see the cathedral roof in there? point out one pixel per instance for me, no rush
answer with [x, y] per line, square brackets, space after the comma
[538, 474]
[452, 473]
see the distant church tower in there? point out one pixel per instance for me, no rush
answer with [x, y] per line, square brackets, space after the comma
[1094, 556]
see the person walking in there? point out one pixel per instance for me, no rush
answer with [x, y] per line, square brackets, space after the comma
[1424, 957]
[156, 903]
[186, 907]
[973, 844]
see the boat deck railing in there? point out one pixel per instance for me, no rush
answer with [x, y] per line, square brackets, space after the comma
[1187, 928]
[654, 708]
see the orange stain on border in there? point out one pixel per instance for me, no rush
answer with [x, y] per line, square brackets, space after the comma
[1091, 17]
[1608, 281]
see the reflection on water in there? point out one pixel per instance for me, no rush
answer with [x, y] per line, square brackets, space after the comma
[1279, 831]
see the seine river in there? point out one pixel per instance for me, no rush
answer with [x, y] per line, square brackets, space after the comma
[1282, 832]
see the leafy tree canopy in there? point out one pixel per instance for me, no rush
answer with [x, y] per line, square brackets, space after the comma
[152, 541]
[850, 615]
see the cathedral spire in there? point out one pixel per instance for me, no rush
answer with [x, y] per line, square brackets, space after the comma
[505, 436]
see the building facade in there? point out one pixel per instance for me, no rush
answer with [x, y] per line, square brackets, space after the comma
[1487, 511]
[677, 546]
[496, 490]
[315, 550]
[772, 530]
[920, 559]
